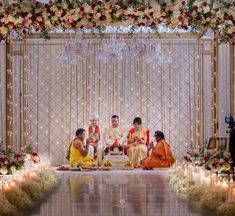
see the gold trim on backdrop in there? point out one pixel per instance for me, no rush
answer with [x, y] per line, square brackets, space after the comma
[214, 88]
[232, 80]
[119, 35]
[9, 98]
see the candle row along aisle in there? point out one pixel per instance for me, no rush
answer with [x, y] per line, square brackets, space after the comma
[22, 185]
[214, 191]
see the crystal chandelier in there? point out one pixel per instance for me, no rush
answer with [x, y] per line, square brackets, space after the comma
[142, 49]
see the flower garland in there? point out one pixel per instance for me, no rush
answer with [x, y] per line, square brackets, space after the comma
[24, 16]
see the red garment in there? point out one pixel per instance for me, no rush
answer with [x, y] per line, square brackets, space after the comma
[97, 131]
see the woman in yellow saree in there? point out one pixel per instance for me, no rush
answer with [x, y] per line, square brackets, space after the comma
[137, 138]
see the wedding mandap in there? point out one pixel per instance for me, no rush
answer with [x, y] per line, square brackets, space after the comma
[74, 66]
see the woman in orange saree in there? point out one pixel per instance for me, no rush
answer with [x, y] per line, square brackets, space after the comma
[161, 155]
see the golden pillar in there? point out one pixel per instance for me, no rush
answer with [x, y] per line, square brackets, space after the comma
[9, 111]
[214, 88]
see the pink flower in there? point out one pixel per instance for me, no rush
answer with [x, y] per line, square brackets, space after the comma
[98, 15]
[39, 19]
[164, 14]
[58, 13]
[28, 16]
[169, 5]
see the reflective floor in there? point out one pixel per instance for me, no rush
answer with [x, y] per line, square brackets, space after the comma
[132, 193]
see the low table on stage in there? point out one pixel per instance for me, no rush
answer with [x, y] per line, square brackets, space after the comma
[118, 159]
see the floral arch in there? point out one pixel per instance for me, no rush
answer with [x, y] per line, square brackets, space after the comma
[35, 19]
[25, 17]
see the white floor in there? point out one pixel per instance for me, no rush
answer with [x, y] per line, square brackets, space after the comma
[107, 193]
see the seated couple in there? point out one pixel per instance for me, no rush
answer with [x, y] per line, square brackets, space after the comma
[136, 146]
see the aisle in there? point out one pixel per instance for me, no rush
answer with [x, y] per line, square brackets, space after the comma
[119, 193]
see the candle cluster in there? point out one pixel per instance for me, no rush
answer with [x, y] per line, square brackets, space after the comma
[29, 171]
[213, 181]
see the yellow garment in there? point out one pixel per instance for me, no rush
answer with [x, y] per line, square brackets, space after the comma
[138, 152]
[76, 184]
[76, 158]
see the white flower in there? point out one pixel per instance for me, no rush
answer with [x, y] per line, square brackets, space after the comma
[206, 9]
[4, 170]
[12, 169]
[216, 5]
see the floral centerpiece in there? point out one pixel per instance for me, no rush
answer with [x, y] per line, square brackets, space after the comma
[218, 162]
[32, 155]
[11, 161]
[213, 160]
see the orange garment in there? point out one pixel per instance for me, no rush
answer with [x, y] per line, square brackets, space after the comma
[160, 157]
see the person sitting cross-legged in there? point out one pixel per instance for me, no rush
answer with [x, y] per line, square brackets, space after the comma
[161, 155]
[114, 136]
[78, 150]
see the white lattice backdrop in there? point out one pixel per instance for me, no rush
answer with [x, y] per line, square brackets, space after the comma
[62, 99]
[224, 88]
[59, 100]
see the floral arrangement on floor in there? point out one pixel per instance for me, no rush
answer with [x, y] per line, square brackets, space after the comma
[23, 16]
[227, 209]
[21, 196]
[209, 198]
[11, 161]
[180, 183]
[213, 160]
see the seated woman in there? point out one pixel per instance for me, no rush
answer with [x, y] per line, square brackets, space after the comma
[137, 137]
[78, 150]
[94, 134]
[161, 155]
